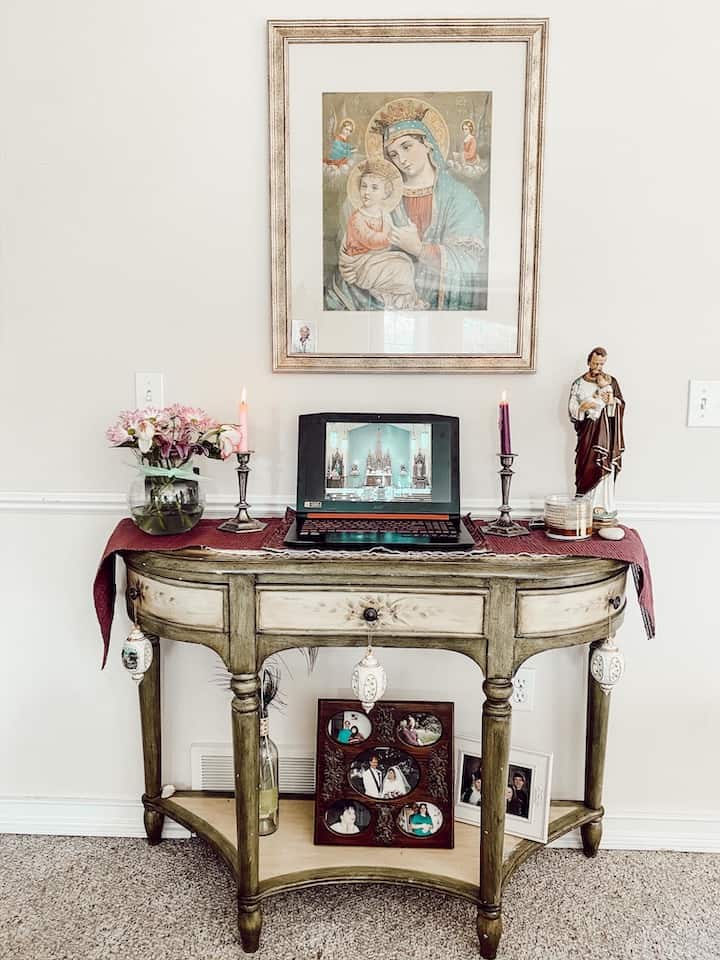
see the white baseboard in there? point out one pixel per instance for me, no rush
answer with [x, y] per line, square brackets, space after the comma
[653, 831]
[76, 817]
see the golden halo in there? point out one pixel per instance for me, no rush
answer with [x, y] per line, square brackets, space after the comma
[348, 121]
[469, 121]
[433, 120]
[383, 168]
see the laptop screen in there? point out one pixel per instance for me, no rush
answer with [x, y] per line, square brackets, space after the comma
[378, 463]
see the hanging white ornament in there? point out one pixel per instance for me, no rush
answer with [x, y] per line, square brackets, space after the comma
[137, 654]
[369, 680]
[607, 665]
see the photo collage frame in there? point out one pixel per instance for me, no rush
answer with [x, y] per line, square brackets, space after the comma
[385, 778]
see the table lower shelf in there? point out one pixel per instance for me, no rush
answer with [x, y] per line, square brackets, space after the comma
[290, 860]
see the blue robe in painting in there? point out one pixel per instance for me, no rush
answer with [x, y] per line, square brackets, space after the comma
[459, 280]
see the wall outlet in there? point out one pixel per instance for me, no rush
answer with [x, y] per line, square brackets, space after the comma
[523, 690]
[149, 389]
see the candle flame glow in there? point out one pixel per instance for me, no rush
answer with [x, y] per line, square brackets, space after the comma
[243, 396]
[503, 398]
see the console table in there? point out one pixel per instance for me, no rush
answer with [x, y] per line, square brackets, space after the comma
[496, 610]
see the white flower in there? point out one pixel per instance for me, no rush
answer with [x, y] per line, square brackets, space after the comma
[145, 434]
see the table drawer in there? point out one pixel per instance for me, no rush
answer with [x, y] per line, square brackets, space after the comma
[344, 611]
[193, 605]
[547, 612]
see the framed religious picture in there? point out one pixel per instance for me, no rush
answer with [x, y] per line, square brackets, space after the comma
[527, 790]
[405, 175]
[384, 778]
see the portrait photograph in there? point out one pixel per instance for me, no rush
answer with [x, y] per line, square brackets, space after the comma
[470, 790]
[350, 726]
[347, 817]
[420, 819]
[405, 194]
[527, 789]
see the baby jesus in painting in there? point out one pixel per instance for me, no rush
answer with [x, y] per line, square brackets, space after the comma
[366, 258]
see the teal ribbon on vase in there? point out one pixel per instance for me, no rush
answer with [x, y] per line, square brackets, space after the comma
[172, 473]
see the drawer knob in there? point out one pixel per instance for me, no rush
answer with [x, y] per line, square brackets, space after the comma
[615, 602]
[370, 614]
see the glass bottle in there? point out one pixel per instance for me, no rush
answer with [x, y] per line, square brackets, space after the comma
[268, 786]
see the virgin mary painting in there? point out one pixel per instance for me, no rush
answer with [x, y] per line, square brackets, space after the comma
[432, 219]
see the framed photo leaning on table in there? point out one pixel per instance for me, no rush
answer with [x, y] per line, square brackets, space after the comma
[405, 172]
[527, 810]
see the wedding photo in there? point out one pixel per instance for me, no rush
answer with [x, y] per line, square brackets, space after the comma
[384, 773]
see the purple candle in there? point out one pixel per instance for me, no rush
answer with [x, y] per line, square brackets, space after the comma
[504, 424]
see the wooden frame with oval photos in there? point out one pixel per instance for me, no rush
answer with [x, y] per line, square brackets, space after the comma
[529, 773]
[384, 778]
[440, 270]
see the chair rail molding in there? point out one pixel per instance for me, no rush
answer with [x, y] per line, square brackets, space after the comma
[273, 505]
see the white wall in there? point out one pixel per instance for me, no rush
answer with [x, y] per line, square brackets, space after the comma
[134, 235]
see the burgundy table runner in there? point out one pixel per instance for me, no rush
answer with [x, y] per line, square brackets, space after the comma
[126, 537]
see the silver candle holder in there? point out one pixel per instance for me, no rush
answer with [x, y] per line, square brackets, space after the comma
[242, 522]
[504, 526]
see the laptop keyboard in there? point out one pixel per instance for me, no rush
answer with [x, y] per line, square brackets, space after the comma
[415, 528]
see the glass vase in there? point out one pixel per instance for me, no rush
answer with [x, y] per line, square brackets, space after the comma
[269, 797]
[166, 504]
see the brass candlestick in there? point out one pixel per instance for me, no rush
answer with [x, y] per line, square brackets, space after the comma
[504, 526]
[242, 522]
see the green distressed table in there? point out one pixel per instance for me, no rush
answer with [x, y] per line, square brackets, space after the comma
[498, 611]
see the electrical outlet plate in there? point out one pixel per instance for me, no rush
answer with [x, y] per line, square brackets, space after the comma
[149, 389]
[523, 690]
[704, 403]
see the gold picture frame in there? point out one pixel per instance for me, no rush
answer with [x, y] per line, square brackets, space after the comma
[438, 269]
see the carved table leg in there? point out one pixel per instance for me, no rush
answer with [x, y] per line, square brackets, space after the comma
[149, 694]
[246, 746]
[598, 709]
[496, 752]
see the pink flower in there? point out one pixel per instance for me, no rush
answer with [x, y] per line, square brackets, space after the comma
[169, 435]
[117, 435]
[221, 441]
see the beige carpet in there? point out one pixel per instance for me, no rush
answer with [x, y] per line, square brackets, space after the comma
[90, 898]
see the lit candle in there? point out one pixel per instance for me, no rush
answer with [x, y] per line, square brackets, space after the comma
[242, 446]
[504, 424]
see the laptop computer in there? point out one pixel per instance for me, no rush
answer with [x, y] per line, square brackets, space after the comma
[377, 479]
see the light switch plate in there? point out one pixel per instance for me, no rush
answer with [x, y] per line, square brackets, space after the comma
[149, 389]
[704, 403]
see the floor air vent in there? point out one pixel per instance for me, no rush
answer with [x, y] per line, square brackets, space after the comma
[212, 768]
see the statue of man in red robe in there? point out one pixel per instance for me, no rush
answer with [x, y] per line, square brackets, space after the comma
[597, 410]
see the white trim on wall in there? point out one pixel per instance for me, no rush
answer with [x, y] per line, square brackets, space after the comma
[269, 505]
[76, 817]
